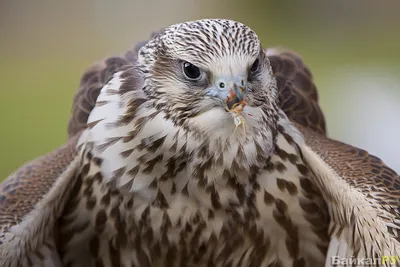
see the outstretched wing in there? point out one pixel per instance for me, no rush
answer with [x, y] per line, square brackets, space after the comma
[31, 199]
[362, 193]
[34, 196]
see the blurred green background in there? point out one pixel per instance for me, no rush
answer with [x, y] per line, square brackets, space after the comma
[352, 47]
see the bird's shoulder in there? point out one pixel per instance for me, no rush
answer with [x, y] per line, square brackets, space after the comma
[94, 79]
[298, 94]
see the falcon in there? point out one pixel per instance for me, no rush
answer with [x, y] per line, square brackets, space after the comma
[200, 148]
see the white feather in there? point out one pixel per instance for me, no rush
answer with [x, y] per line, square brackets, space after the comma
[350, 210]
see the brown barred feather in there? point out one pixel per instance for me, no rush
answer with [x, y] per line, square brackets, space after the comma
[298, 95]
[20, 192]
[91, 83]
[93, 79]
[363, 171]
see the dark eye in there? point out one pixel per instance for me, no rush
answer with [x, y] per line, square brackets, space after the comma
[191, 71]
[254, 67]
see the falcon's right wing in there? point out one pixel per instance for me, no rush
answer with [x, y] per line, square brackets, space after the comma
[31, 200]
[34, 197]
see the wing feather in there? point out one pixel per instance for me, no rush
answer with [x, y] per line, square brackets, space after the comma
[362, 194]
[93, 80]
[33, 197]
[298, 95]
[31, 200]
[91, 83]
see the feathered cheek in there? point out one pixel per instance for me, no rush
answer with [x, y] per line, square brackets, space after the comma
[252, 116]
[213, 121]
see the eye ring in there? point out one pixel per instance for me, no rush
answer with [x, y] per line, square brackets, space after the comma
[191, 71]
[255, 65]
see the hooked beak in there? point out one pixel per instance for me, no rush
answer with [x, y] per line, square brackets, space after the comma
[235, 96]
[229, 92]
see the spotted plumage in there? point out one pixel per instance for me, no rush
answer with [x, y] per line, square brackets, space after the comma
[156, 172]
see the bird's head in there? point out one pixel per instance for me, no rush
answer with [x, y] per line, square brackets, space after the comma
[212, 76]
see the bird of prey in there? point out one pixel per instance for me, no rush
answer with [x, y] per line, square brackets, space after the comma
[200, 148]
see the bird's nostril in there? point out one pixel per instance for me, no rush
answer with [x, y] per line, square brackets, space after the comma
[221, 85]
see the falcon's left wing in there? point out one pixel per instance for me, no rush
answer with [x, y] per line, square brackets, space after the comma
[363, 196]
[362, 193]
